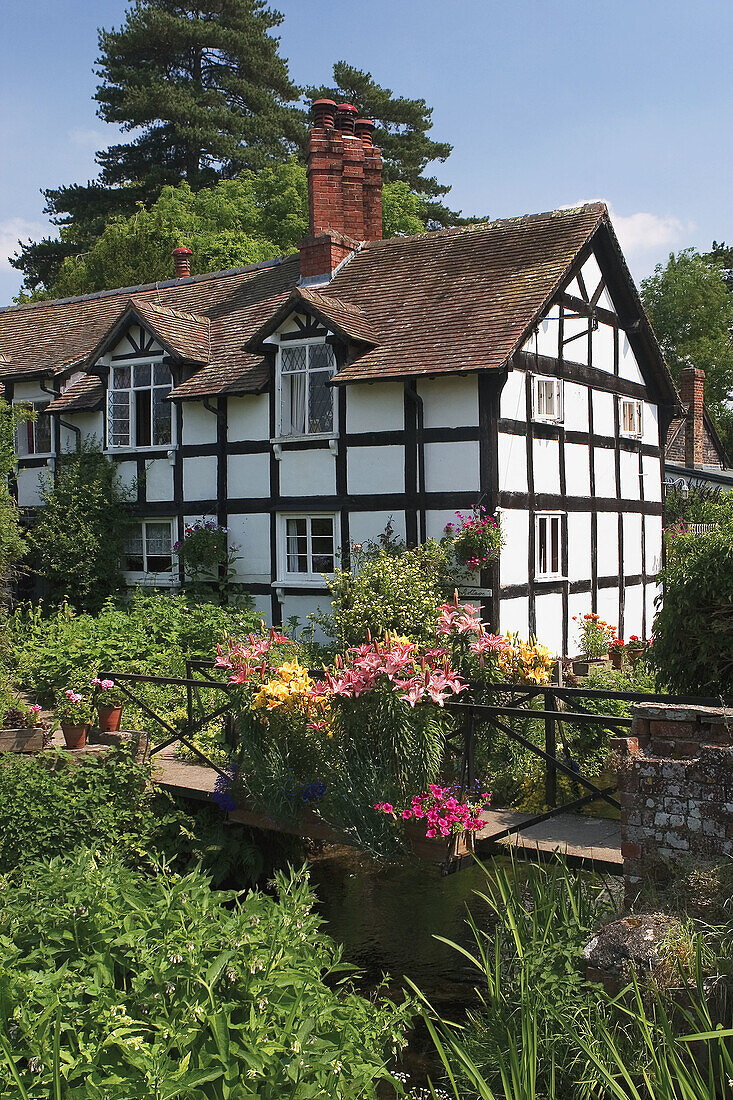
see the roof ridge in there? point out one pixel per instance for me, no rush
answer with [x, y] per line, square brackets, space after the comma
[225, 274]
[171, 311]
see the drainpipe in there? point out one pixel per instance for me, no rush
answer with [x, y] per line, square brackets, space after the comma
[414, 396]
[56, 444]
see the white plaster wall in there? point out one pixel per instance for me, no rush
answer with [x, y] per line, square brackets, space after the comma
[302, 607]
[375, 470]
[546, 460]
[514, 616]
[450, 402]
[248, 417]
[575, 406]
[124, 347]
[368, 526]
[199, 425]
[307, 473]
[199, 478]
[375, 407]
[251, 534]
[515, 528]
[548, 610]
[548, 334]
[579, 604]
[606, 301]
[653, 541]
[513, 400]
[579, 551]
[128, 474]
[633, 603]
[591, 273]
[652, 592]
[159, 479]
[602, 349]
[652, 470]
[629, 475]
[607, 545]
[262, 607]
[91, 424]
[577, 471]
[574, 289]
[450, 466]
[605, 472]
[512, 463]
[29, 486]
[650, 424]
[608, 605]
[632, 543]
[603, 422]
[30, 391]
[628, 367]
[577, 351]
[435, 522]
[248, 475]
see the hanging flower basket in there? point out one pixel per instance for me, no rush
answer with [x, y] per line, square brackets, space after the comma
[437, 849]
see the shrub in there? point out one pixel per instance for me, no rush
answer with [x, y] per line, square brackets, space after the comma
[700, 504]
[50, 805]
[79, 535]
[693, 632]
[157, 986]
[390, 589]
[208, 558]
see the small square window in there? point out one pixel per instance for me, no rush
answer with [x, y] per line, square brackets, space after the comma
[548, 534]
[546, 398]
[630, 419]
[149, 549]
[310, 546]
[33, 437]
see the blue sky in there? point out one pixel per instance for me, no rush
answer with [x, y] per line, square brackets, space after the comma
[546, 102]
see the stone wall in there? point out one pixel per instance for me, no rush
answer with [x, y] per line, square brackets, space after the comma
[676, 789]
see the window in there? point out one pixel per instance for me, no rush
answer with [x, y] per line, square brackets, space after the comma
[310, 547]
[138, 414]
[149, 547]
[33, 437]
[547, 555]
[546, 398]
[306, 399]
[630, 418]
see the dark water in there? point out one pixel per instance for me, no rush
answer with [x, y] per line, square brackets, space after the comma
[387, 917]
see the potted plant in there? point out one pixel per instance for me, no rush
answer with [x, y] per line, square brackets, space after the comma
[440, 824]
[22, 729]
[595, 639]
[635, 648]
[109, 705]
[477, 539]
[616, 652]
[72, 714]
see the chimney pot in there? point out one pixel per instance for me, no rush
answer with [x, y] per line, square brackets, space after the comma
[182, 262]
[324, 114]
[364, 129]
[346, 117]
[692, 395]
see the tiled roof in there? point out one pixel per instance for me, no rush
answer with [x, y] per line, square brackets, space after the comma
[87, 393]
[343, 318]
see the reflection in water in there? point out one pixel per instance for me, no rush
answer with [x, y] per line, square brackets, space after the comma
[386, 918]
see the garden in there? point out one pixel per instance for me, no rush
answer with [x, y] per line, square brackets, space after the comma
[153, 948]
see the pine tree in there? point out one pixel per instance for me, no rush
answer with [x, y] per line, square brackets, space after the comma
[401, 133]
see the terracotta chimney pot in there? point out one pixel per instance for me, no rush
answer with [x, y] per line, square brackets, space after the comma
[182, 261]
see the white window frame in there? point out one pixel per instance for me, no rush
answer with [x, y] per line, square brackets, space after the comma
[539, 380]
[162, 578]
[638, 417]
[544, 521]
[305, 343]
[38, 405]
[153, 361]
[309, 579]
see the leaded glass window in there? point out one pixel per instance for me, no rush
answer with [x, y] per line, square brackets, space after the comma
[306, 399]
[138, 412]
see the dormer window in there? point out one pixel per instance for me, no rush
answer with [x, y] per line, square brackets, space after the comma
[305, 400]
[138, 414]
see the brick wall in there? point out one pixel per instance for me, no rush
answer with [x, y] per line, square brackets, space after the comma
[676, 788]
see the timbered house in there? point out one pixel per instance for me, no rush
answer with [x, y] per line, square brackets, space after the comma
[306, 401]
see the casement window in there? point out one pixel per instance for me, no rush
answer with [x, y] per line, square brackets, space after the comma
[548, 535]
[138, 414]
[305, 400]
[308, 547]
[149, 551]
[630, 417]
[33, 437]
[546, 398]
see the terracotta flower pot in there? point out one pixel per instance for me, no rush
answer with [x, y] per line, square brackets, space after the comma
[109, 719]
[617, 657]
[437, 849]
[75, 736]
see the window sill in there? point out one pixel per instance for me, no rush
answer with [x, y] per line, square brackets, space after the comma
[306, 581]
[152, 580]
[550, 578]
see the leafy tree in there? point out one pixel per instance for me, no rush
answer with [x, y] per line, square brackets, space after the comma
[691, 311]
[722, 254]
[12, 545]
[401, 133]
[257, 216]
[78, 538]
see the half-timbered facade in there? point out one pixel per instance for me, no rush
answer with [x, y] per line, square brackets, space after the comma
[305, 402]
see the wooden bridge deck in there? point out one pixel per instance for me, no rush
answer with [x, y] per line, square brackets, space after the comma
[585, 841]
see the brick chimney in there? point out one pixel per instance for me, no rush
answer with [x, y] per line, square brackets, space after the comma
[692, 395]
[182, 262]
[344, 188]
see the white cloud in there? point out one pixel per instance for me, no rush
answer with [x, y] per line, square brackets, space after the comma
[14, 229]
[88, 139]
[643, 232]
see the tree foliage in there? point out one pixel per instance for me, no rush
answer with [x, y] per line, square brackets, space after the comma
[691, 311]
[79, 535]
[12, 544]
